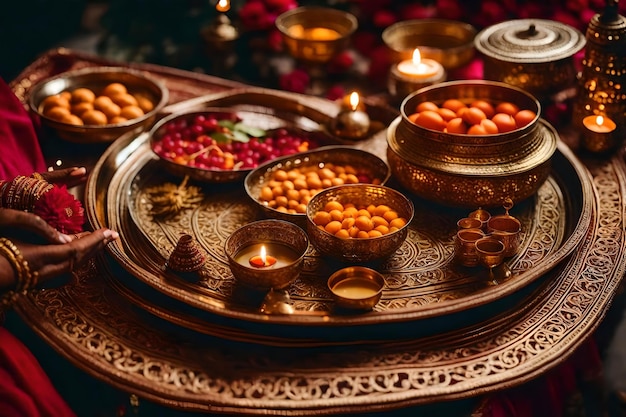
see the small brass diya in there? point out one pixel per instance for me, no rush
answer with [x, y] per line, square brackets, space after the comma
[356, 287]
[352, 121]
[536, 55]
[316, 34]
[266, 254]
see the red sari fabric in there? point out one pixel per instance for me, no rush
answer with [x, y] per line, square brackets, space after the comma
[25, 389]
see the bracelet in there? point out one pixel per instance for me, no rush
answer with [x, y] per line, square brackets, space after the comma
[37, 176]
[25, 278]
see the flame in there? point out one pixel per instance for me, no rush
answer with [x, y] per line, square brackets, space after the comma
[263, 255]
[354, 100]
[599, 120]
[417, 57]
[223, 5]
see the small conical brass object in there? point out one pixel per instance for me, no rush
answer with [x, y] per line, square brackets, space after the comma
[186, 256]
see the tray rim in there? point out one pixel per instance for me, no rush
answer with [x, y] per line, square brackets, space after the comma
[321, 319]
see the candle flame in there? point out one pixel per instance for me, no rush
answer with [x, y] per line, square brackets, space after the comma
[223, 6]
[417, 57]
[263, 255]
[599, 120]
[354, 100]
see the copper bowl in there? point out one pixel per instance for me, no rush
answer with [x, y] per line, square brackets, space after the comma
[137, 82]
[471, 170]
[449, 42]
[310, 47]
[359, 250]
[367, 165]
[275, 231]
[256, 122]
[356, 287]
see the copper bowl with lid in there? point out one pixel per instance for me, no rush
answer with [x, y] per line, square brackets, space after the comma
[466, 170]
[533, 54]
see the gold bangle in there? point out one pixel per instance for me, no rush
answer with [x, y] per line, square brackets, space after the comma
[37, 176]
[26, 279]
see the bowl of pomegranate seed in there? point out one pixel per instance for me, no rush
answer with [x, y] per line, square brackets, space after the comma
[224, 145]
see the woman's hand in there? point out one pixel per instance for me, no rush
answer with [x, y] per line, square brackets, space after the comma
[69, 177]
[47, 251]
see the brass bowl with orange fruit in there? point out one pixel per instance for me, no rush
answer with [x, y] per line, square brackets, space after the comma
[471, 143]
[358, 223]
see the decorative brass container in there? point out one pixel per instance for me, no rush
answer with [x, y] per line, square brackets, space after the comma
[471, 170]
[356, 287]
[270, 232]
[359, 250]
[533, 54]
[312, 41]
[137, 82]
[449, 42]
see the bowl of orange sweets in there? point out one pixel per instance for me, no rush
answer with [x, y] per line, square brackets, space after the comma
[283, 187]
[98, 105]
[358, 223]
[471, 143]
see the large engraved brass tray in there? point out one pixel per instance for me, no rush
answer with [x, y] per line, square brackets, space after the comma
[97, 329]
[423, 281]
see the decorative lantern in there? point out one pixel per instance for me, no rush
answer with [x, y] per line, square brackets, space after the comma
[602, 81]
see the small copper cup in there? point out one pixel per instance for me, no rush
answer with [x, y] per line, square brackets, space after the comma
[490, 254]
[506, 229]
[465, 246]
[469, 223]
[482, 215]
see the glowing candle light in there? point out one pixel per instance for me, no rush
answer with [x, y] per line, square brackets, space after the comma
[262, 260]
[418, 67]
[599, 124]
[223, 6]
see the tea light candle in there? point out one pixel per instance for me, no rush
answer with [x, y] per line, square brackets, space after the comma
[599, 124]
[262, 259]
[419, 68]
[265, 255]
[599, 133]
[351, 122]
[412, 74]
[223, 6]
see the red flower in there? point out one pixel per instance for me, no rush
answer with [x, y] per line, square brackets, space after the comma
[380, 62]
[253, 15]
[275, 40]
[60, 210]
[449, 9]
[296, 81]
[418, 11]
[341, 62]
[281, 6]
[383, 18]
[335, 92]
[365, 42]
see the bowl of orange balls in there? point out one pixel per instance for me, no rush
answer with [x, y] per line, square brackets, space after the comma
[358, 223]
[99, 104]
[471, 143]
[283, 187]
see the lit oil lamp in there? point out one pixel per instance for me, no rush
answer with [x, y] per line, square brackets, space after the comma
[267, 253]
[412, 74]
[223, 6]
[599, 133]
[220, 34]
[262, 260]
[352, 122]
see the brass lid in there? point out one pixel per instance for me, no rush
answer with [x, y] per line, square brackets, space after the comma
[529, 41]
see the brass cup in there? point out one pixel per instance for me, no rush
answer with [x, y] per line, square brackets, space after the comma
[482, 215]
[465, 246]
[356, 287]
[318, 50]
[506, 229]
[469, 223]
[490, 254]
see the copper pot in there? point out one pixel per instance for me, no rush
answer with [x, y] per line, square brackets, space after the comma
[533, 54]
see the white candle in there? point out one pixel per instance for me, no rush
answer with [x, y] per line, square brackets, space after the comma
[419, 68]
[599, 124]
